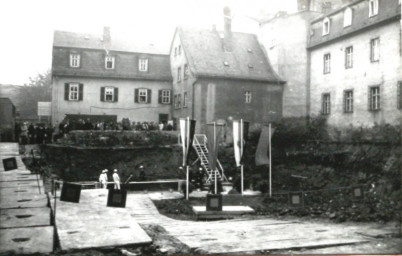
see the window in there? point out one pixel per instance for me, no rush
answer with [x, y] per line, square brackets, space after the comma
[348, 101]
[248, 96]
[75, 60]
[109, 62]
[373, 7]
[327, 63]
[73, 91]
[325, 27]
[326, 104]
[143, 65]
[109, 93]
[185, 100]
[73, 95]
[179, 100]
[399, 95]
[349, 57]
[347, 17]
[186, 71]
[175, 101]
[164, 96]
[179, 74]
[142, 96]
[374, 98]
[375, 49]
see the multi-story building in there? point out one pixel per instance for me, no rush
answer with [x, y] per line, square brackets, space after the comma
[220, 76]
[99, 78]
[356, 71]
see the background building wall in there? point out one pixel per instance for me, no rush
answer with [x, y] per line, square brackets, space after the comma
[285, 40]
[185, 85]
[364, 73]
[124, 108]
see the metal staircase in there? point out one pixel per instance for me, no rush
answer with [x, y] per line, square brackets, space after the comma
[200, 146]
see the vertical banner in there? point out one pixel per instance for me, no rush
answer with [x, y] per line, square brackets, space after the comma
[240, 136]
[261, 157]
[187, 129]
[212, 131]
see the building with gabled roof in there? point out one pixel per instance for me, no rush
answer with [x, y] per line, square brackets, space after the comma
[221, 76]
[100, 78]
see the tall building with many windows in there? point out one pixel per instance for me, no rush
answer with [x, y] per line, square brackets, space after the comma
[100, 79]
[355, 66]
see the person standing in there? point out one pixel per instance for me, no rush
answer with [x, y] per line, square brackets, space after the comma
[103, 179]
[116, 180]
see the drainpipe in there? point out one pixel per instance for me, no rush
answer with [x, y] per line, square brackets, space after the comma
[192, 102]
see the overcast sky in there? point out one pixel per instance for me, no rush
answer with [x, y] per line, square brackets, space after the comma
[27, 26]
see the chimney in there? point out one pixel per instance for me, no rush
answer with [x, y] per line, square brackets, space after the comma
[227, 40]
[107, 40]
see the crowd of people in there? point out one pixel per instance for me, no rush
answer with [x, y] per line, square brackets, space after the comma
[125, 125]
[42, 133]
[30, 133]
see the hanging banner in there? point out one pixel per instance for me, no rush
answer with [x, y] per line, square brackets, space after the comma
[261, 157]
[240, 136]
[187, 129]
[212, 132]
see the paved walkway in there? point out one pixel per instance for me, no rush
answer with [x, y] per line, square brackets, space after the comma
[228, 236]
[24, 213]
[245, 235]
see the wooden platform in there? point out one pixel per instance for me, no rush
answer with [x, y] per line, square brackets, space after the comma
[227, 212]
[90, 223]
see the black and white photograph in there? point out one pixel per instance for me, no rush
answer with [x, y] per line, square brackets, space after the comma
[200, 127]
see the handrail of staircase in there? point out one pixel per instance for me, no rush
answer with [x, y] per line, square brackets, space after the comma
[198, 143]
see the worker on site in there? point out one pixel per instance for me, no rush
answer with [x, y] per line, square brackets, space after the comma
[103, 179]
[116, 180]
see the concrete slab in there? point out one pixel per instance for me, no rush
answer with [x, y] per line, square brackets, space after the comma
[23, 200]
[21, 184]
[90, 223]
[9, 148]
[228, 209]
[27, 240]
[18, 177]
[227, 212]
[30, 217]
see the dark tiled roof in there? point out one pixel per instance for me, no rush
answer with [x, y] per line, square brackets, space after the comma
[90, 41]
[92, 61]
[207, 57]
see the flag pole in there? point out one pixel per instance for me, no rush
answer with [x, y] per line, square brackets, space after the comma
[187, 151]
[187, 181]
[216, 182]
[241, 155]
[270, 163]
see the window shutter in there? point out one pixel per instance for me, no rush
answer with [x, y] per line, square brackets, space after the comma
[81, 92]
[171, 97]
[149, 94]
[369, 99]
[344, 101]
[160, 96]
[136, 95]
[66, 91]
[116, 94]
[102, 94]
